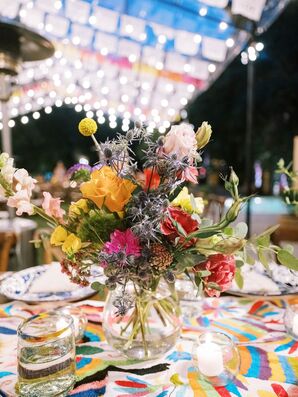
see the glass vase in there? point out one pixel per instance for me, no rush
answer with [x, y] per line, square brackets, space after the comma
[149, 325]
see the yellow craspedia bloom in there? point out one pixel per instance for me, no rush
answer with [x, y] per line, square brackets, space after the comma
[72, 244]
[78, 207]
[87, 127]
[58, 236]
[189, 203]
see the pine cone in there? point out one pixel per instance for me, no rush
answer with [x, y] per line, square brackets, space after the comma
[161, 258]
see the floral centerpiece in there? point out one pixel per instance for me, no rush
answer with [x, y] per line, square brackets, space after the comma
[137, 220]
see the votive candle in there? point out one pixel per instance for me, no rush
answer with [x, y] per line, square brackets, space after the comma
[210, 359]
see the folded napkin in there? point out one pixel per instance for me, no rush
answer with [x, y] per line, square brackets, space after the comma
[52, 280]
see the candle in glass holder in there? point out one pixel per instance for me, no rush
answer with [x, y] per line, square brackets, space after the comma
[79, 320]
[210, 359]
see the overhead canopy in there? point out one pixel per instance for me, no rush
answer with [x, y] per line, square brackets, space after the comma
[140, 59]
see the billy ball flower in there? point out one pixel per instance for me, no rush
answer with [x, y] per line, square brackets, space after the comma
[87, 127]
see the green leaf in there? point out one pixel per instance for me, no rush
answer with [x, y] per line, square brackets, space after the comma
[241, 230]
[264, 241]
[204, 273]
[178, 227]
[97, 286]
[88, 350]
[239, 263]
[188, 260]
[268, 231]
[287, 259]
[214, 286]
[176, 380]
[263, 258]
[250, 260]
[229, 231]
[198, 280]
[202, 234]
[289, 248]
[239, 279]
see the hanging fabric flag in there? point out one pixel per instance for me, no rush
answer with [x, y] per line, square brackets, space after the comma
[251, 9]
[216, 3]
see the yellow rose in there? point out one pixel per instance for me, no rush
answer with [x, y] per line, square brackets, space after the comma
[189, 203]
[203, 135]
[107, 188]
[72, 244]
[78, 207]
[58, 236]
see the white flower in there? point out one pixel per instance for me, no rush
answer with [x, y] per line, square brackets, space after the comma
[24, 181]
[8, 170]
[3, 159]
[21, 201]
[181, 140]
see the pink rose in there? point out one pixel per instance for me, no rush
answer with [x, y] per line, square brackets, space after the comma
[21, 201]
[52, 206]
[189, 174]
[222, 268]
[181, 140]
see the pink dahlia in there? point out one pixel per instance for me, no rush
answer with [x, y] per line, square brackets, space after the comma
[125, 242]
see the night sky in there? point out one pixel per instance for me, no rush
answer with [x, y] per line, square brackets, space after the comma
[39, 144]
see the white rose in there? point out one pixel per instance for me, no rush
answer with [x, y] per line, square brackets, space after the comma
[181, 140]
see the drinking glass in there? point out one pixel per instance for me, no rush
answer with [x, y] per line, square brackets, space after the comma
[46, 355]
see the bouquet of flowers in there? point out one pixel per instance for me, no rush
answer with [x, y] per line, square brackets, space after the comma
[138, 222]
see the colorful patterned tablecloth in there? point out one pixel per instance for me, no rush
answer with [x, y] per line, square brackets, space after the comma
[269, 357]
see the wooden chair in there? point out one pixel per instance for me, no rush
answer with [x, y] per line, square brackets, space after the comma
[287, 231]
[8, 241]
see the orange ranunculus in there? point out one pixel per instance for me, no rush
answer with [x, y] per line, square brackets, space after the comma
[152, 179]
[107, 188]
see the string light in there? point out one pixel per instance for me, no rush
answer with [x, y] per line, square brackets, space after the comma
[162, 39]
[197, 38]
[48, 109]
[211, 68]
[24, 120]
[78, 108]
[11, 123]
[92, 20]
[223, 25]
[259, 47]
[35, 115]
[203, 11]
[159, 65]
[230, 42]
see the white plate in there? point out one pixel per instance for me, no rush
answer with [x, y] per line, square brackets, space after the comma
[16, 286]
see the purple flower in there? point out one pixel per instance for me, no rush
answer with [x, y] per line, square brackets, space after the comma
[77, 167]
